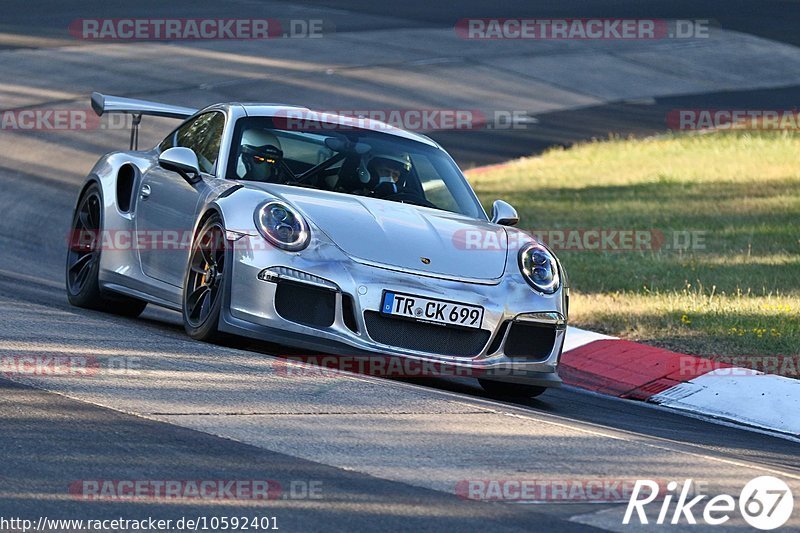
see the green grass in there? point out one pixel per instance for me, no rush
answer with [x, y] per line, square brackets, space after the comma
[737, 294]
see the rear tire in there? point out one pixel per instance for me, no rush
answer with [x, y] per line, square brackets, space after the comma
[511, 390]
[83, 261]
[204, 282]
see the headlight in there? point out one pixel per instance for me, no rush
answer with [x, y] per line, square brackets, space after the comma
[282, 226]
[539, 268]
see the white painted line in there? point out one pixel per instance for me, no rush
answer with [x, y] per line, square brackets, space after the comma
[577, 337]
[761, 400]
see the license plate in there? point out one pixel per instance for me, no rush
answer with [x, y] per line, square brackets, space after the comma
[431, 310]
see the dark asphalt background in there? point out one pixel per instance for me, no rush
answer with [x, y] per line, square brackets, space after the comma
[772, 19]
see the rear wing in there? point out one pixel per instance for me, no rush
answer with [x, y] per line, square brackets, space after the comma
[102, 104]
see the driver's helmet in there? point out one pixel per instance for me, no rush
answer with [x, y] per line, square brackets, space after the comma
[259, 156]
[389, 169]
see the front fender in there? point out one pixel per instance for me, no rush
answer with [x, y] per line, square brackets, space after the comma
[237, 208]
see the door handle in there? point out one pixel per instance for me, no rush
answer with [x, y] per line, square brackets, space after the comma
[145, 191]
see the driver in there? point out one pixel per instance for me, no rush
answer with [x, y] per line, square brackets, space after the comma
[388, 172]
[260, 156]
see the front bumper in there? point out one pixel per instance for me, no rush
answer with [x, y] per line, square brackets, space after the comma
[251, 311]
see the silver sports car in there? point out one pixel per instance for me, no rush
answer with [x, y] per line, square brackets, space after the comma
[320, 232]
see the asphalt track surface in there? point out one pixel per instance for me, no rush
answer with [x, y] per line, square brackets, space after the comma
[50, 439]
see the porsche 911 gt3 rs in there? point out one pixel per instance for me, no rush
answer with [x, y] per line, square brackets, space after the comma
[325, 233]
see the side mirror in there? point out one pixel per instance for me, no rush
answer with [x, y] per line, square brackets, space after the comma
[503, 214]
[181, 160]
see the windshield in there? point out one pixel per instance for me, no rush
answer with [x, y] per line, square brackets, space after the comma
[350, 161]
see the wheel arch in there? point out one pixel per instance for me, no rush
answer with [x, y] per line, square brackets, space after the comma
[209, 211]
[91, 179]
[237, 206]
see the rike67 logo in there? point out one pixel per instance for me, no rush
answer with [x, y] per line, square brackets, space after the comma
[765, 503]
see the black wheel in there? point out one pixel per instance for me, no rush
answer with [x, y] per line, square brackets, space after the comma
[83, 261]
[202, 289]
[511, 390]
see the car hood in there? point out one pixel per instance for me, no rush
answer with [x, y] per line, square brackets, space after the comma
[403, 236]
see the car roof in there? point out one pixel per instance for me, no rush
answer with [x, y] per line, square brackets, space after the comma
[301, 113]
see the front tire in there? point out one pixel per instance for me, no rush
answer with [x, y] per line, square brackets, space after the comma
[83, 261]
[204, 282]
[511, 390]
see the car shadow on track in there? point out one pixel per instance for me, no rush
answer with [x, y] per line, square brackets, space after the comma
[37, 308]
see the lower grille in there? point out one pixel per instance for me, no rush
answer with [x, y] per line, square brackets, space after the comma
[530, 341]
[304, 304]
[423, 337]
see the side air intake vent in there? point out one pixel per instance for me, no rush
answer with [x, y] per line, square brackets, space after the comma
[305, 304]
[530, 341]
